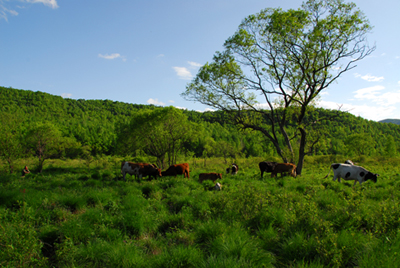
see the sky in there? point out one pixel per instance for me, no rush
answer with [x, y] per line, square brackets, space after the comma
[147, 51]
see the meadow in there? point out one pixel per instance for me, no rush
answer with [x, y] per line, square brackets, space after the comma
[80, 214]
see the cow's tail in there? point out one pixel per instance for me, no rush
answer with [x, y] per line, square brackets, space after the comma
[330, 168]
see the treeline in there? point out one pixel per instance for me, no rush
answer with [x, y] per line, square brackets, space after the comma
[50, 126]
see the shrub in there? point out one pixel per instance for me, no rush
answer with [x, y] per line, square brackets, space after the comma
[19, 243]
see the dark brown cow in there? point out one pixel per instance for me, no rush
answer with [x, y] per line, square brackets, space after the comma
[140, 169]
[266, 166]
[177, 169]
[209, 176]
[283, 168]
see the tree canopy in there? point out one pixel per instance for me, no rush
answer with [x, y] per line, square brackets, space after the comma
[277, 63]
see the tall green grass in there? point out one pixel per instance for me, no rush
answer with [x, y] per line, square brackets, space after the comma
[72, 216]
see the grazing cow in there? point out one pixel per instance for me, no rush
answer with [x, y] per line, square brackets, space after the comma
[25, 171]
[233, 169]
[140, 169]
[351, 172]
[266, 167]
[283, 168]
[209, 176]
[218, 186]
[150, 170]
[178, 169]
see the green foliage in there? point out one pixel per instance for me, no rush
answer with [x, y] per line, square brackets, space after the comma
[91, 128]
[46, 141]
[60, 219]
[19, 243]
[11, 138]
[287, 58]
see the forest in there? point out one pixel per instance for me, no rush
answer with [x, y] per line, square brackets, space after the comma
[46, 126]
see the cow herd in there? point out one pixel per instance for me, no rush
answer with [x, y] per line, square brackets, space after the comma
[346, 171]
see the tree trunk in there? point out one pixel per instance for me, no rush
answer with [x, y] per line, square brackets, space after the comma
[302, 153]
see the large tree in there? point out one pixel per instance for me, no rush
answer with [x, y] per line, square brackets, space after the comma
[276, 65]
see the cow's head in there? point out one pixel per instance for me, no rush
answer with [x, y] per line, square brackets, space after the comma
[159, 172]
[219, 175]
[371, 176]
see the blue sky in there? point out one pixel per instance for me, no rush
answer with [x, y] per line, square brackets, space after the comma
[147, 51]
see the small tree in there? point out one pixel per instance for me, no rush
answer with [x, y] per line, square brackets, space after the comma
[160, 133]
[225, 149]
[46, 141]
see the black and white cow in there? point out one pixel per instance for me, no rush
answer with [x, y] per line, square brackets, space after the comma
[351, 172]
[233, 169]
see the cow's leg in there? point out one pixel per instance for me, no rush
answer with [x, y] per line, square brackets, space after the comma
[355, 181]
[262, 172]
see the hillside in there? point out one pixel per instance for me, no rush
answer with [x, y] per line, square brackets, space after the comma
[95, 123]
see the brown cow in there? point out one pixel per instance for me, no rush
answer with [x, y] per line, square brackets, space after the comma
[140, 169]
[177, 169]
[283, 168]
[209, 176]
[266, 166]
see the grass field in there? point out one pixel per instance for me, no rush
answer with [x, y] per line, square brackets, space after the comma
[73, 215]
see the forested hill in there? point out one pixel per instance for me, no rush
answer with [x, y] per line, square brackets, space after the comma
[95, 123]
[393, 121]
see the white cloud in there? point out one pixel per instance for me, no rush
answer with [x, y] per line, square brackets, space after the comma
[112, 56]
[369, 78]
[49, 3]
[183, 73]
[155, 102]
[374, 94]
[369, 93]
[66, 95]
[194, 64]
[4, 12]
[365, 111]
[182, 108]
[206, 110]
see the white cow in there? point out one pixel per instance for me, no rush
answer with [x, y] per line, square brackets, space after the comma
[351, 172]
